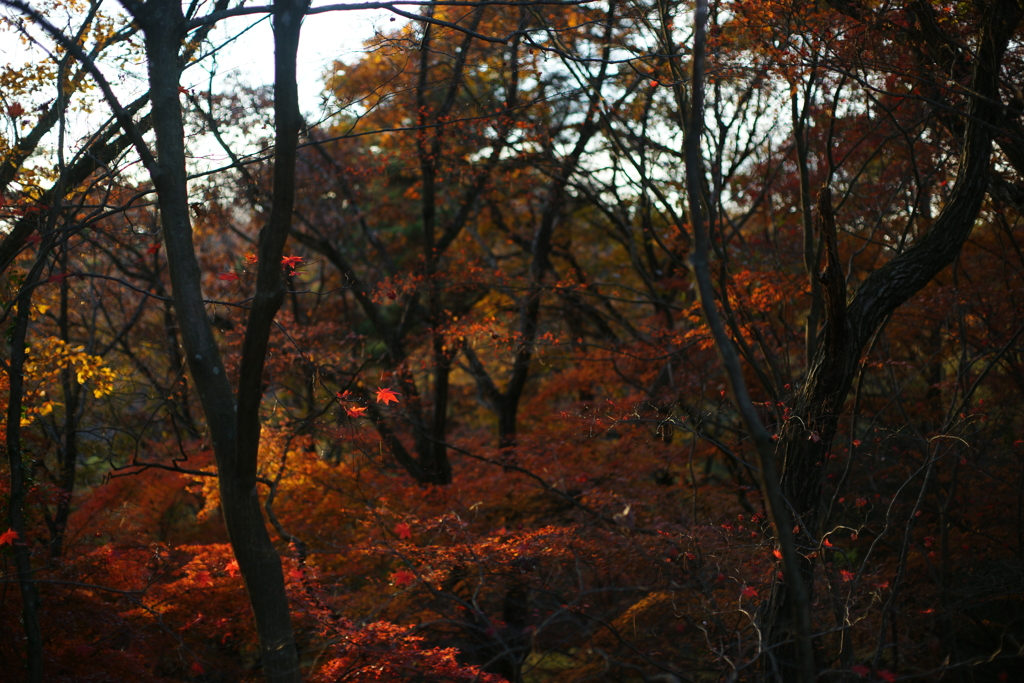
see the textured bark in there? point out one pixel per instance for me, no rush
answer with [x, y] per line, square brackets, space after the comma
[829, 376]
[234, 432]
[807, 437]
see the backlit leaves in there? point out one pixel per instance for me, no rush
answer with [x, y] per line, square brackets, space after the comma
[386, 396]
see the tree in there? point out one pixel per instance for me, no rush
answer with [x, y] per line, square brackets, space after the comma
[834, 351]
[235, 429]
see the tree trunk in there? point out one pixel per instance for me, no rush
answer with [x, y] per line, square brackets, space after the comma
[807, 437]
[67, 454]
[16, 501]
[234, 430]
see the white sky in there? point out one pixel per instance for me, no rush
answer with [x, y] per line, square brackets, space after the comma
[325, 38]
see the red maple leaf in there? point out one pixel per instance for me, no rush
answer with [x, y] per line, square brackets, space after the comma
[229, 277]
[886, 676]
[203, 579]
[15, 110]
[232, 568]
[59, 278]
[153, 248]
[860, 669]
[748, 592]
[344, 395]
[356, 412]
[291, 261]
[386, 396]
[403, 530]
[846, 575]
[8, 537]
[403, 578]
[392, 295]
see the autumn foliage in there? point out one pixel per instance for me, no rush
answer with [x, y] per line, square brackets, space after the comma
[497, 444]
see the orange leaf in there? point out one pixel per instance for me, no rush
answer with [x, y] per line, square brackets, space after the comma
[356, 412]
[386, 396]
[232, 568]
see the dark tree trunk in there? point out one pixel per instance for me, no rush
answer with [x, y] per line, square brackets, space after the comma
[67, 453]
[235, 430]
[807, 438]
[16, 500]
